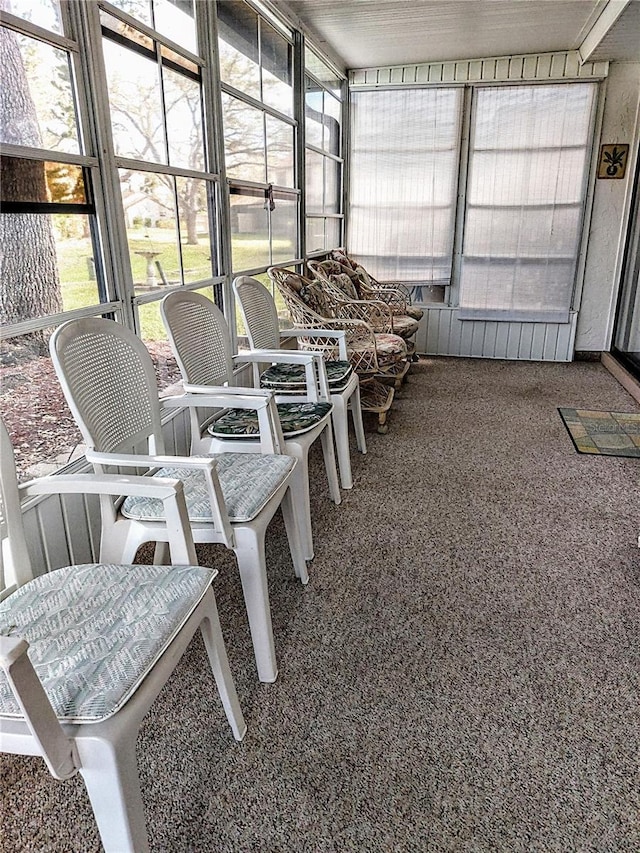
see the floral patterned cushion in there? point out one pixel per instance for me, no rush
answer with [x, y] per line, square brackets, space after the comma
[295, 419]
[291, 377]
[96, 631]
[390, 347]
[247, 480]
[404, 326]
[415, 313]
[363, 274]
[343, 282]
[313, 296]
[340, 256]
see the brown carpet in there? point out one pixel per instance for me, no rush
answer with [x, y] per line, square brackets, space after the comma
[461, 673]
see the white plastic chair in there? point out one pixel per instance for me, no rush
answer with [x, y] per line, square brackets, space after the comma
[108, 379]
[260, 316]
[201, 343]
[85, 650]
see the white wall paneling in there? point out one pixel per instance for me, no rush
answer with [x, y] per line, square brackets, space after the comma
[441, 332]
[504, 69]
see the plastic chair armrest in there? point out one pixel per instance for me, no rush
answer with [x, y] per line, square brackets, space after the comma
[209, 396]
[316, 382]
[205, 464]
[259, 399]
[56, 748]
[170, 492]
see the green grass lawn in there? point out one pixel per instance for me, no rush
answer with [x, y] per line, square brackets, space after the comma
[80, 291]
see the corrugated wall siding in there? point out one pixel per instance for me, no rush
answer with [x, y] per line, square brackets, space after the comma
[64, 530]
[544, 66]
[442, 333]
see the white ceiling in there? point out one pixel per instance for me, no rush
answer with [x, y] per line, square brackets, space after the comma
[372, 33]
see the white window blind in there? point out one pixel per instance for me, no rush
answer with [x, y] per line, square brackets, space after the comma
[528, 163]
[404, 169]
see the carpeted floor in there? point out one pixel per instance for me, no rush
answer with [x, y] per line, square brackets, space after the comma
[461, 674]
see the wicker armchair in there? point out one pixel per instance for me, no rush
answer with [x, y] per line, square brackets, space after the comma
[379, 359]
[394, 293]
[384, 315]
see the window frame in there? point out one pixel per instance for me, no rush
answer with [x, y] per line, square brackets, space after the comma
[339, 159]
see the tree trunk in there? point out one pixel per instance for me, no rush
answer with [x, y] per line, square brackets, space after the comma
[192, 230]
[28, 264]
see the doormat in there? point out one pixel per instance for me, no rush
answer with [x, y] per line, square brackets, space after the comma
[606, 433]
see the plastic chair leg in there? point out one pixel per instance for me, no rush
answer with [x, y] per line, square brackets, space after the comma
[299, 563]
[249, 552]
[328, 451]
[217, 652]
[110, 773]
[356, 414]
[161, 554]
[340, 418]
[299, 486]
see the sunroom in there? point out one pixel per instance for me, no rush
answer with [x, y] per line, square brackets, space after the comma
[483, 157]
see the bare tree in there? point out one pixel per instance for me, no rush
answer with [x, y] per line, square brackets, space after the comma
[28, 266]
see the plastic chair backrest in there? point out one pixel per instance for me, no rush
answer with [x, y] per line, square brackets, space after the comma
[14, 555]
[199, 337]
[109, 381]
[259, 312]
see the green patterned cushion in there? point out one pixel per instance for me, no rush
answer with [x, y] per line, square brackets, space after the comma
[247, 480]
[291, 377]
[95, 631]
[295, 419]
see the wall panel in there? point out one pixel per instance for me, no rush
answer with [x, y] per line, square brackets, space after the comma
[564, 65]
[441, 332]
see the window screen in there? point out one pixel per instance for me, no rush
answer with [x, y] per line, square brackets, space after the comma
[528, 163]
[404, 171]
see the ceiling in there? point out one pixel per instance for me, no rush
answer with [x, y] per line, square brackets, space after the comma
[373, 33]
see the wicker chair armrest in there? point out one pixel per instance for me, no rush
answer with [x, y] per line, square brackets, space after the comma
[392, 297]
[374, 312]
[395, 285]
[317, 334]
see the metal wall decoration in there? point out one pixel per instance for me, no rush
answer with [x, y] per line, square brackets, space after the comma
[613, 161]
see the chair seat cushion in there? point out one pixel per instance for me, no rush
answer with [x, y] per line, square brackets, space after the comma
[295, 419]
[247, 480]
[390, 347]
[291, 377]
[415, 313]
[404, 326]
[96, 631]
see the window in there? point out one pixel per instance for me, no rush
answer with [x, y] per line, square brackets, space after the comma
[528, 163]
[51, 264]
[256, 70]
[323, 155]
[67, 253]
[168, 192]
[404, 174]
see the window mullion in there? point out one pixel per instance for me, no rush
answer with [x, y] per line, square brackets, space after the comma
[452, 292]
[109, 203]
